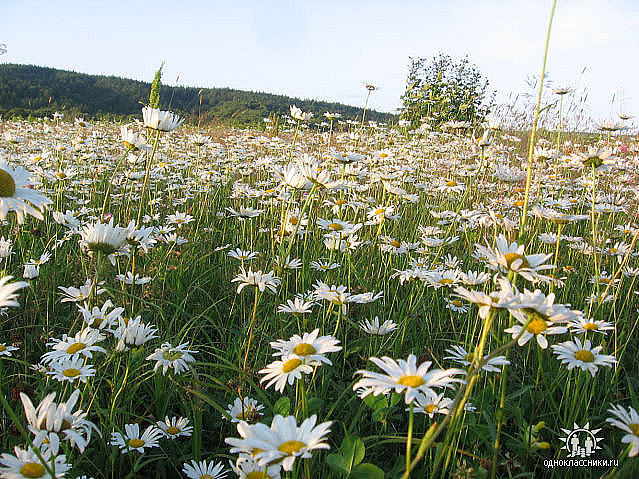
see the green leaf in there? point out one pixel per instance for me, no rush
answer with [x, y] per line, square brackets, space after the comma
[337, 463]
[282, 406]
[367, 471]
[376, 402]
[353, 450]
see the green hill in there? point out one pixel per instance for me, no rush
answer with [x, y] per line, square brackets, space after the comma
[32, 90]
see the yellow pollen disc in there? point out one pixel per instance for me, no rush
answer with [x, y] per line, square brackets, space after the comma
[605, 280]
[71, 372]
[257, 475]
[585, 356]
[294, 220]
[512, 257]
[457, 302]
[290, 365]
[291, 447]
[32, 469]
[538, 325]
[7, 186]
[340, 202]
[411, 381]
[519, 203]
[304, 349]
[75, 347]
[446, 281]
[2, 348]
[380, 211]
[612, 250]
[430, 408]
[172, 355]
[395, 243]
[336, 226]
[634, 428]
[173, 430]
[469, 357]
[206, 476]
[383, 155]
[136, 442]
[591, 327]
[451, 183]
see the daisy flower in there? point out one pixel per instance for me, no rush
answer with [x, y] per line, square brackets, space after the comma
[581, 324]
[177, 357]
[180, 218]
[507, 257]
[103, 237]
[84, 344]
[282, 372]
[132, 441]
[17, 193]
[310, 347]
[6, 350]
[246, 468]
[50, 421]
[203, 470]
[627, 421]
[101, 318]
[575, 354]
[373, 327]
[432, 404]
[71, 370]
[8, 295]
[243, 255]
[26, 464]
[132, 333]
[459, 355]
[175, 427]
[244, 410]
[82, 293]
[296, 306]
[157, 119]
[283, 442]
[130, 279]
[405, 377]
[324, 265]
[260, 280]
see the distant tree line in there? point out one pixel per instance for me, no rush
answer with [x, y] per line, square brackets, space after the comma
[27, 90]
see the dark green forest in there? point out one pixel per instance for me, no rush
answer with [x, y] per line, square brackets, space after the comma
[27, 90]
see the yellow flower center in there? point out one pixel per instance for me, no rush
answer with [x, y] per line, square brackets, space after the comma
[7, 190]
[71, 372]
[634, 427]
[206, 476]
[290, 365]
[457, 302]
[173, 430]
[383, 155]
[512, 257]
[411, 381]
[585, 356]
[257, 475]
[537, 326]
[75, 347]
[2, 348]
[591, 327]
[380, 211]
[136, 443]
[336, 226]
[430, 408]
[451, 183]
[291, 447]
[446, 281]
[519, 203]
[395, 243]
[32, 469]
[172, 355]
[294, 220]
[247, 413]
[340, 202]
[304, 349]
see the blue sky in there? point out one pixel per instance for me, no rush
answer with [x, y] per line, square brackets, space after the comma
[326, 49]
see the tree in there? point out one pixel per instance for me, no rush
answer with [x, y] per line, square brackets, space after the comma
[445, 90]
